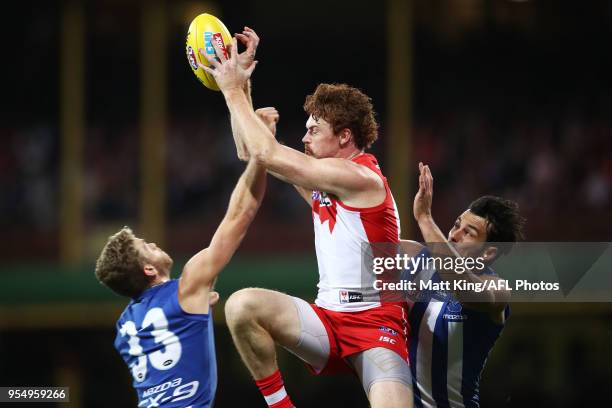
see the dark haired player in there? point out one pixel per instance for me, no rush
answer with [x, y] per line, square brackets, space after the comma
[165, 334]
[452, 337]
[347, 329]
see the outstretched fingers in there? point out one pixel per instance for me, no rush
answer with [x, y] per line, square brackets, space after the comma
[251, 32]
[234, 50]
[252, 36]
[222, 54]
[213, 61]
[208, 69]
[244, 39]
[429, 179]
[422, 184]
[251, 68]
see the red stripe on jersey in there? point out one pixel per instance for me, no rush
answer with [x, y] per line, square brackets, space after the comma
[325, 205]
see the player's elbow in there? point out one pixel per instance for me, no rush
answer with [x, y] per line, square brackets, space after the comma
[241, 220]
[264, 157]
[200, 271]
[247, 216]
[265, 153]
[242, 156]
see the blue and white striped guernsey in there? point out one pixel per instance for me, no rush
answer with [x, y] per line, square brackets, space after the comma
[449, 346]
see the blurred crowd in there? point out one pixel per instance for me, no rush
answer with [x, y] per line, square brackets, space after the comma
[551, 166]
[548, 165]
[521, 111]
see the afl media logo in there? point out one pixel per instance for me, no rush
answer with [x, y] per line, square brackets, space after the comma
[191, 57]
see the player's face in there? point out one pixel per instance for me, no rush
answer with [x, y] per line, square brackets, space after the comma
[469, 232]
[154, 255]
[320, 140]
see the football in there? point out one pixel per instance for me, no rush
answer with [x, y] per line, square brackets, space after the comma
[203, 30]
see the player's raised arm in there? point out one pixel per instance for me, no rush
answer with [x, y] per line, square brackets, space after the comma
[487, 300]
[270, 116]
[250, 40]
[202, 269]
[333, 175]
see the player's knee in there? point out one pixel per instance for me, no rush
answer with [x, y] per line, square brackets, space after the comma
[391, 394]
[241, 307]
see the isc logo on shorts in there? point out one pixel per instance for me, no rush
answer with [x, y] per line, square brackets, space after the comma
[386, 339]
[350, 297]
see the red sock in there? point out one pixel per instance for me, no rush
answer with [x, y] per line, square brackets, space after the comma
[274, 392]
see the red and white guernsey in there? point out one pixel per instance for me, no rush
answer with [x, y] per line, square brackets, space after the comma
[340, 232]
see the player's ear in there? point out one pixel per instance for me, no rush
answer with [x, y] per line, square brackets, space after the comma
[346, 135]
[149, 270]
[489, 254]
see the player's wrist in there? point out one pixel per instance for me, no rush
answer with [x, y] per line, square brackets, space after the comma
[425, 219]
[235, 97]
[247, 91]
[234, 94]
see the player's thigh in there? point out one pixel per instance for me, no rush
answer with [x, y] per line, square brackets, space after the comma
[272, 310]
[313, 346]
[385, 376]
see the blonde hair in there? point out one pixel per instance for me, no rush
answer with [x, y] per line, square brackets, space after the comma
[120, 265]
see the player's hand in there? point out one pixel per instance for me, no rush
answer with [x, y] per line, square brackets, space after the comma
[250, 40]
[269, 116]
[422, 201]
[226, 71]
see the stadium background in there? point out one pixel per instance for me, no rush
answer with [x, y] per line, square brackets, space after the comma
[505, 97]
